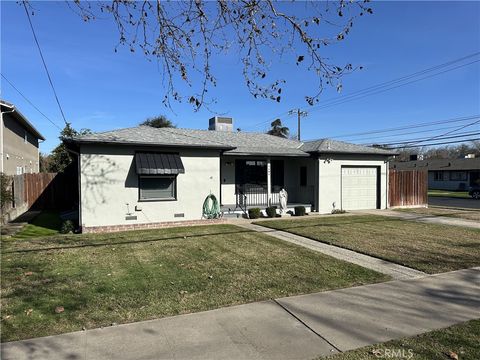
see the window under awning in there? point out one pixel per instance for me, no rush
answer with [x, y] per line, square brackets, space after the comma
[158, 164]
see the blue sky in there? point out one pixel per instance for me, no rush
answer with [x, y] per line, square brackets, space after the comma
[102, 90]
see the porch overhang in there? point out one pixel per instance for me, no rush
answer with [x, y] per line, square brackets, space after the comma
[266, 152]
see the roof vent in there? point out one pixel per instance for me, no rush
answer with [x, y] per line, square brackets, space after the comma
[219, 123]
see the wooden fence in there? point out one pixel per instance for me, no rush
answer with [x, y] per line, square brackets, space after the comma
[408, 188]
[44, 191]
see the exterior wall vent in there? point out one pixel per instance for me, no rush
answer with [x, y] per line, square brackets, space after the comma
[179, 215]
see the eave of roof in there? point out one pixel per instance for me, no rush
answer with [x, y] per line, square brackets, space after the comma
[22, 119]
[264, 153]
[145, 144]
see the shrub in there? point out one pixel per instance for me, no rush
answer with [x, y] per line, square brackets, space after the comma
[338, 211]
[300, 210]
[6, 195]
[67, 227]
[271, 211]
[254, 213]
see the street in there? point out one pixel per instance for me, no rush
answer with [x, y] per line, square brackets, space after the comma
[453, 202]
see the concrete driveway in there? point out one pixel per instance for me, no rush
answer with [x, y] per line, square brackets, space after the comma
[454, 202]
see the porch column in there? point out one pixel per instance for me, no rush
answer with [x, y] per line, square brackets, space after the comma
[269, 182]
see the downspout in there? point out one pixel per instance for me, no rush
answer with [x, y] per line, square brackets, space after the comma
[38, 162]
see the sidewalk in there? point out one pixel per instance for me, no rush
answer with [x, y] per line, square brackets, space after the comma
[431, 219]
[396, 271]
[299, 327]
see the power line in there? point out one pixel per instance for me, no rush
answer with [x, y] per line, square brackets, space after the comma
[412, 126]
[44, 63]
[400, 134]
[268, 121]
[439, 143]
[370, 93]
[374, 89]
[33, 105]
[409, 142]
[448, 132]
[406, 77]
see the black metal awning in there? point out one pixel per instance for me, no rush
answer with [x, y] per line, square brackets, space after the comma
[158, 164]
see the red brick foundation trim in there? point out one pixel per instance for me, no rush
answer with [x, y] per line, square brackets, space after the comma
[156, 225]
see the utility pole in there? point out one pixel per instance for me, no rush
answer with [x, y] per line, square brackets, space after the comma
[300, 114]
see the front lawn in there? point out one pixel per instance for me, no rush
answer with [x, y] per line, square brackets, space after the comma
[467, 214]
[100, 279]
[427, 247]
[446, 193]
[461, 340]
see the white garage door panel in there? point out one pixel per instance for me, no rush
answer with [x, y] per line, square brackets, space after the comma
[359, 188]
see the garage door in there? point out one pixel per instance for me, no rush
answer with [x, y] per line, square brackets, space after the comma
[359, 188]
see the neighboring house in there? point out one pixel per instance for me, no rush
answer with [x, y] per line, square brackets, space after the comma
[446, 174]
[18, 142]
[146, 175]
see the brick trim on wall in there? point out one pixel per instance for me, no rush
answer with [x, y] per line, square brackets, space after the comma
[146, 226]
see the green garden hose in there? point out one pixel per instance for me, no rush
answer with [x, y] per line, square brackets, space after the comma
[211, 208]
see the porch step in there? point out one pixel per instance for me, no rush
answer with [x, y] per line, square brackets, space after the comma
[232, 215]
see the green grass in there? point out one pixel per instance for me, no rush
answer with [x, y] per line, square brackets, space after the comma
[45, 224]
[462, 339]
[131, 276]
[447, 193]
[427, 247]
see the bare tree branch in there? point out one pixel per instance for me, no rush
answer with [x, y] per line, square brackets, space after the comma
[184, 37]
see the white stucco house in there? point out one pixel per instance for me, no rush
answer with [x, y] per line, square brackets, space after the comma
[147, 177]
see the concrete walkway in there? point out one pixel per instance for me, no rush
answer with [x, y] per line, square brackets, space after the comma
[430, 219]
[397, 272]
[299, 327]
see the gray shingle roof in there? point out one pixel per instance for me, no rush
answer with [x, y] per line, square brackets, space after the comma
[146, 135]
[438, 164]
[234, 143]
[329, 146]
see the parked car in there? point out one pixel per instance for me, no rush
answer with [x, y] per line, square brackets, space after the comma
[474, 192]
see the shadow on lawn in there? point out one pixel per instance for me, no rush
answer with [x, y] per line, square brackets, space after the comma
[83, 243]
[106, 242]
